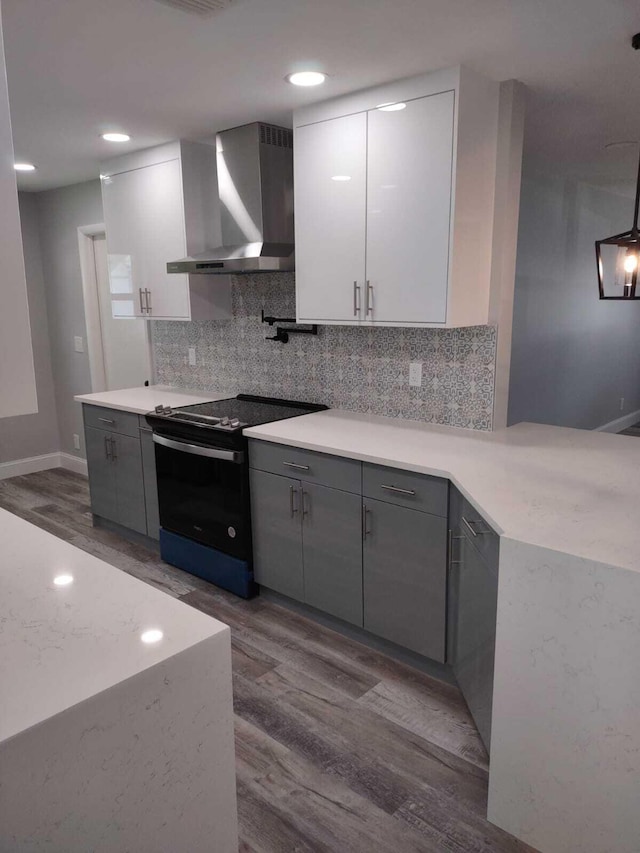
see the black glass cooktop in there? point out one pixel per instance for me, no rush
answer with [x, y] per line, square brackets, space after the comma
[250, 410]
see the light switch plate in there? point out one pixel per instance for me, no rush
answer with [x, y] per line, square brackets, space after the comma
[415, 373]
[76, 441]
[78, 344]
[192, 356]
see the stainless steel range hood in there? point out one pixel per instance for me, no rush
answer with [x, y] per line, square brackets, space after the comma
[255, 186]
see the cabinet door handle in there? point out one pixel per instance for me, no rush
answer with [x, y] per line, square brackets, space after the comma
[295, 465]
[356, 298]
[369, 298]
[292, 505]
[472, 530]
[305, 504]
[141, 301]
[106, 447]
[400, 491]
[453, 539]
[106, 420]
[147, 294]
[114, 455]
[365, 530]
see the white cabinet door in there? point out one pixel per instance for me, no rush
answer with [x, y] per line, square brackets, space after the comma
[330, 205]
[144, 217]
[409, 165]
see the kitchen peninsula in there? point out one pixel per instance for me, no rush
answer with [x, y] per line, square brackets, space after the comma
[116, 711]
[565, 739]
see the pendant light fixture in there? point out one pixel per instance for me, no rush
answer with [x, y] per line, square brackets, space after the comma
[618, 257]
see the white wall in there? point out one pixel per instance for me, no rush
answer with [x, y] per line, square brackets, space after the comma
[33, 435]
[61, 212]
[573, 356]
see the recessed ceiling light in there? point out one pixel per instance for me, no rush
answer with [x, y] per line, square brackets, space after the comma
[391, 108]
[154, 635]
[341, 177]
[306, 78]
[116, 137]
[63, 580]
[24, 167]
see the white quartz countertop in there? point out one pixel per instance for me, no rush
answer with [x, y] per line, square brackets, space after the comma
[145, 399]
[60, 645]
[573, 491]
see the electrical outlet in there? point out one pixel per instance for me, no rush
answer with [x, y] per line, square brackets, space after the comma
[192, 356]
[622, 404]
[78, 344]
[415, 373]
[76, 441]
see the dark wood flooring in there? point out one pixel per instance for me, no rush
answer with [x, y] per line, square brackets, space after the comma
[338, 748]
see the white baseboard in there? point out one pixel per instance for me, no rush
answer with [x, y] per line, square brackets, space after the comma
[620, 423]
[18, 467]
[73, 463]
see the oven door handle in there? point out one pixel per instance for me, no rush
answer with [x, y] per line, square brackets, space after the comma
[198, 450]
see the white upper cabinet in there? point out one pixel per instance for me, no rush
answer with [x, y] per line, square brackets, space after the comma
[158, 205]
[394, 207]
[330, 207]
[17, 375]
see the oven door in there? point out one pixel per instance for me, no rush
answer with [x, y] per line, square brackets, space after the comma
[203, 494]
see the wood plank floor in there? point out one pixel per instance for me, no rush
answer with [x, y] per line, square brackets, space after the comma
[338, 747]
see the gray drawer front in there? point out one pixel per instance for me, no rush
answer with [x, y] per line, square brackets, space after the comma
[404, 488]
[306, 465]
[99, 417]
[470, 522]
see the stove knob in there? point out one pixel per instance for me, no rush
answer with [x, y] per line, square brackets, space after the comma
[234, 422]
[167, 410]
[224, 422]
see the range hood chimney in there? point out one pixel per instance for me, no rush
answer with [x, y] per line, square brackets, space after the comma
[255, 186]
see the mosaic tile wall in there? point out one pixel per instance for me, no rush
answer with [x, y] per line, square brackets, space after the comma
[365, 370]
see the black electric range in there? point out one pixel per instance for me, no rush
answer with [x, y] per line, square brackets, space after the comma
[202, 470]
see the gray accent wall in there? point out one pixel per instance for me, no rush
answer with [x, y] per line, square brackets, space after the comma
[33, 435]
[573, 356]
[61, 212]
[347, 367]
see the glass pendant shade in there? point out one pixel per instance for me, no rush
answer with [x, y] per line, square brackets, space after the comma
[618, 260]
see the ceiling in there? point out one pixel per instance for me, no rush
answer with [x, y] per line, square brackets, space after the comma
[79, 67]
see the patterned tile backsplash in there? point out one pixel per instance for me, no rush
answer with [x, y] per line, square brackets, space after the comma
[346, 367]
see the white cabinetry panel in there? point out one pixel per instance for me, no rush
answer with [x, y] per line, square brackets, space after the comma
[330, 205]
[409, 162]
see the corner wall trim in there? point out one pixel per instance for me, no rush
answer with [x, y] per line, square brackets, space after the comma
[620, 423]
[33, 464]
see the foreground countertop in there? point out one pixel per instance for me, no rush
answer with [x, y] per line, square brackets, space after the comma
[145, 399]
[569, 490]
[60, 645]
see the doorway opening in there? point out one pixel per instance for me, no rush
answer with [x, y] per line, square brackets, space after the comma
[118, 342]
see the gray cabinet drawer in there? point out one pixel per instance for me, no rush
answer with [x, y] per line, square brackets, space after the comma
[306, 465]
[467, 521]
[99, 417]
[404, 488]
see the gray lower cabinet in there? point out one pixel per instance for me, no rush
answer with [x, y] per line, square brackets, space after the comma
[404, 577]
[114, 464]
[150, 483]
[277, 533]
[332, 551]
[473, 600]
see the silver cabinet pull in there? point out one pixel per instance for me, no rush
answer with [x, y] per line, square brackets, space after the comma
[295, 465]
[453, 539]
[400, 491]
[369, 298]
[292, 506]
[365, 512]
[147, 295]
[305, 504]
[114, 445]
[356, 298]
[106, 447]
[472, 530]
[106, 420]
[198, 450]
[141, 302]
